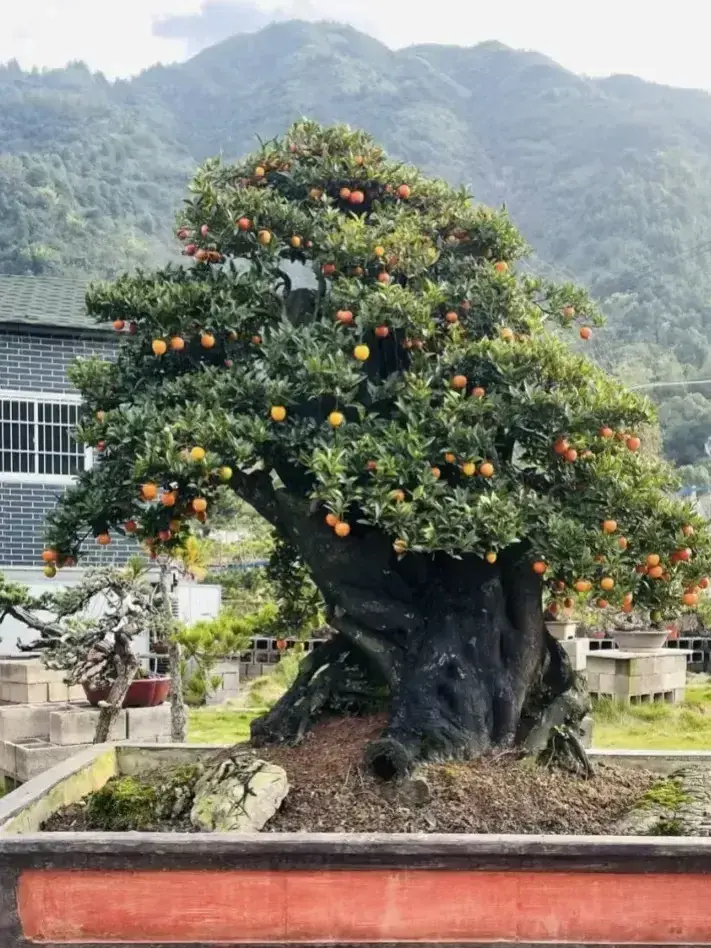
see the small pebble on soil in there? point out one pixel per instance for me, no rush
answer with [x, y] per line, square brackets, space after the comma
[498, 793]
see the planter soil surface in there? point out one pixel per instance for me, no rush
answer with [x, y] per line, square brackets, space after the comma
[502, 793]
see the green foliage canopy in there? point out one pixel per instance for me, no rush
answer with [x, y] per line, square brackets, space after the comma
[444, 362]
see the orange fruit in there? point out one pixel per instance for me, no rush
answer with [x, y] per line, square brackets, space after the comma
[690, 599]
[506, 334]
[382, 332]
[602, 603]
[704, 582]
[606, 432]
[207, 340]
[168, 498]
[486, 469]
[344, 316]
[609, 526]
[585, 332]
[149, 491]
[49, 556]
[539, 567]
[118, 324]
[468, 468]
[627, 607]
[278, 412]
[450, 458]
[244, 223]
[633, 444]
[328, 269]
[383, 277]
[656, 572]
[452, 318]
[357, 197]
[628, 597]
[459, 381]
[103, 539]
[264, 237]
[295, 241]
[607, 583]
[342, 529]
[571, 455]
[436, 473]
[379, 251]
[623, 543]
[256, 340]
[197, 454]
[582, 585]
[336, 419]
[361, 353]
[371, 466]
[501, 266]
[177, 343]
[315, 194]
[478, 392]
[259, 172]
[568, 312]
[159, 347]
[344, 194]
[199, 505]
[404, 191]
[490, 557]
[653, 559]
[331, 519]
[560, 446]
[397, 495]
[400, 547]
[130, 526]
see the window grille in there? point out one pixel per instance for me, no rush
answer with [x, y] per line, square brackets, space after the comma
[37, 438]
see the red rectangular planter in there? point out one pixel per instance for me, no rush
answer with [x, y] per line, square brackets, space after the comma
[271, 890]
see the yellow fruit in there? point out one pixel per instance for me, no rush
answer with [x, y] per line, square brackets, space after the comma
[50, 570]
[468, 469]
[199, 505]
[490, 557]
[225, 473]
[653, 559]
[278, 413]
[400, 547]
[607, 583]
[197, 454]
[295, 241]
[379, 251]
[259, 172]
[336, 419]
[264, 237]
[361, 353]
[159, 347]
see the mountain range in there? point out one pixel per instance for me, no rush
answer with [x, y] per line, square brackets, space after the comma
[609, 179]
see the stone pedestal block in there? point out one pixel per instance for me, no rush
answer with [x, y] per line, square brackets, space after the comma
[658, 675]
[577, 651]
[27, 681]
[24, 721]
[148, 724]
[77, 725]
[229, 674]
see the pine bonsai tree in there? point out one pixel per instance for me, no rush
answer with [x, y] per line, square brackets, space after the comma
[412, 421]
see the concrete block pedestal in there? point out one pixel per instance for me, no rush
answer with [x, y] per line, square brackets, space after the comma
[656, 675]
[27, 681]
[34, 738]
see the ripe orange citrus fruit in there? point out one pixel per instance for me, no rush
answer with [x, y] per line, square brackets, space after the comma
[342, 529]
[459, 381]
[486, 469]
[328, 269]
[244, 223]
[295, 241]
[560, 446]
[130, 526]
[568, 312]
[207, 340]
[571, 455]
[478, 392]
[656, 572]
[336, 419]
[609, 526]
[168, 498]
[606, 432]
[404, 191]
[436, 473]
[177, 343]
[264, 237]
[199, 505]
[357, 197]
[345, 194]
[278, 412]
[450, 458]
[623, 543]
[400, 547]
[344, 316]
[501, 266]
[633, 443]
[361, 353]
[103, 539]
[607, 583]
[452, 318]
[382, 332]
[331, 519]
[149, 491]
[539, 567]
[118, 324]
[585, 332]
[397, 495]
[159, 347]
[582, 585]
[383, 277]
[507, 334]
[690, 599]
[468, 469]
[653, 559]
[49, 556]
[197, 454]
[490, 557]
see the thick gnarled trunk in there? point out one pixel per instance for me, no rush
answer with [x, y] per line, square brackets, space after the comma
[455, 650]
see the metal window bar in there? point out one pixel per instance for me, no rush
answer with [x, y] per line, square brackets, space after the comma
[36, 438]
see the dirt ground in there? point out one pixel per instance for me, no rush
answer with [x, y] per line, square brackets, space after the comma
[501, 793]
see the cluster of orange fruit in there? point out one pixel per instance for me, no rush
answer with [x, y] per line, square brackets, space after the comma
[177, 343]
[563, 449]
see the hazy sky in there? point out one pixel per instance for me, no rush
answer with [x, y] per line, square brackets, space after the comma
[667, 44]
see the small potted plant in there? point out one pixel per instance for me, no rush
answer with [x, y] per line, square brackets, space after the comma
[559, 622]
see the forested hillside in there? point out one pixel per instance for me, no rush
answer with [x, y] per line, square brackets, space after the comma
[610, 180]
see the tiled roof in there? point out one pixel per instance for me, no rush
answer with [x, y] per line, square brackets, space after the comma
[45, 301]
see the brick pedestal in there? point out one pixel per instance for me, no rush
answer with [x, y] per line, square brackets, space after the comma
[658, 675]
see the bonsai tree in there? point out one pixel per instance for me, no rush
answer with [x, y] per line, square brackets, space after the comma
[412, 420]
[95, 651]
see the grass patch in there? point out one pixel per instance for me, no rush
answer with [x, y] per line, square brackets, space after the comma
[222, 725]
[657, 725]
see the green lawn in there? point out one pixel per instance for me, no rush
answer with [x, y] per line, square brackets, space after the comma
[222, 725]
[657, 726]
